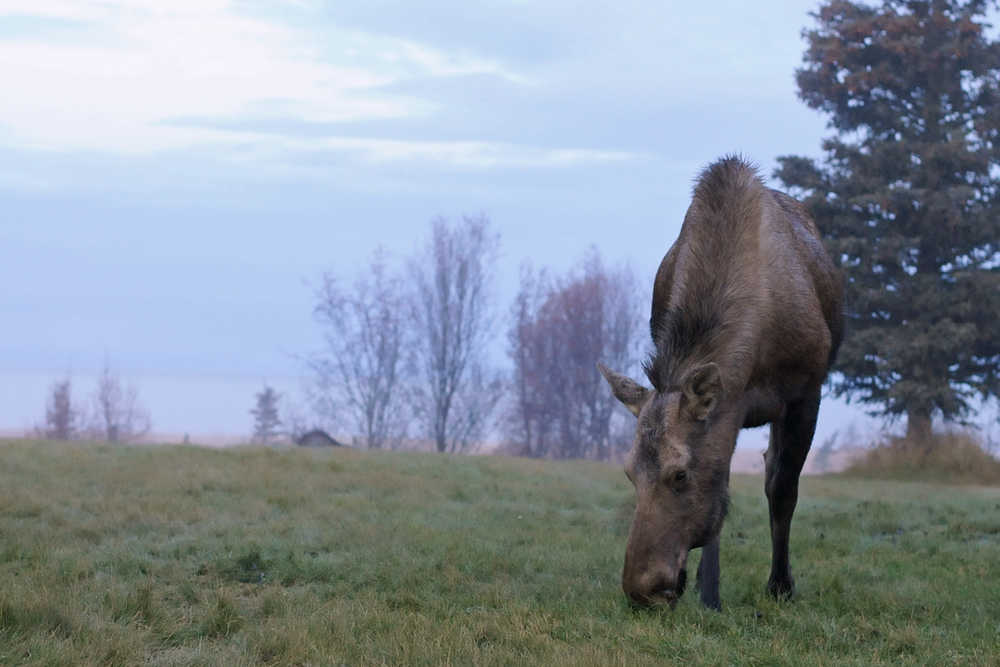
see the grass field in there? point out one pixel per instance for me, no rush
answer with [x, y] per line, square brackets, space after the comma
[186, 556]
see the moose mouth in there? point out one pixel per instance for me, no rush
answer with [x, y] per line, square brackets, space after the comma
[666, 596]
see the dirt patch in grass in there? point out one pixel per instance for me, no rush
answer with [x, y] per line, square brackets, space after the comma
[951, 458]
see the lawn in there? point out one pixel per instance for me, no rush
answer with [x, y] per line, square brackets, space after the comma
[189, 556]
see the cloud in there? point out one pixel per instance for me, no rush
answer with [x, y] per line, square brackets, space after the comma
[499, 84]
[471, 154]
[120, 68]
[162, 59]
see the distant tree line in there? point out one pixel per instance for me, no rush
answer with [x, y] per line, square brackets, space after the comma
[113, 413]
[412, 353]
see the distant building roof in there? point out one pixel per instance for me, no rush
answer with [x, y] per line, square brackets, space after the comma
[317, 438]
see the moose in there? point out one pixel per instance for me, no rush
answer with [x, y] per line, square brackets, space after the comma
[746, 318]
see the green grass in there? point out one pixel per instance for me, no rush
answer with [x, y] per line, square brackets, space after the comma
[186, 556]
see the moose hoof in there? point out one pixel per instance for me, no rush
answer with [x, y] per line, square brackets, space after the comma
[712, 603]
[781, 589]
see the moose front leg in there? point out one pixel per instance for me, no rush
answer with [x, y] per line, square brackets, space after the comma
[791, 437]
[707, 581]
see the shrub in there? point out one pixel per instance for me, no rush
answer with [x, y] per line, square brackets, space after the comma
[954, 457]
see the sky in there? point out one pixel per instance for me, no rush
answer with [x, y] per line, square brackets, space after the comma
[176, 176]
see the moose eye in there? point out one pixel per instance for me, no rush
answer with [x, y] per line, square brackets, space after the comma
[680, 476]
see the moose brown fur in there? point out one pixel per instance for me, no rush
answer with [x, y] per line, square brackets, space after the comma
[746, 319]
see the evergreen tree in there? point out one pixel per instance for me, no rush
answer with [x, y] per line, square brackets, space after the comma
[265, 415]
[60, 416]
[908, 194]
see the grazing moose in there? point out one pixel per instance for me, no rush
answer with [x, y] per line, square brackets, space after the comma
[746, 319]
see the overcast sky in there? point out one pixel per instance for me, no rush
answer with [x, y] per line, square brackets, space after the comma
[173, 174]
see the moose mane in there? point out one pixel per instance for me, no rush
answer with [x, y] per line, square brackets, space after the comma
[677, 338]
[726, 194]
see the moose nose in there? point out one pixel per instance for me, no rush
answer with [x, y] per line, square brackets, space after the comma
[665, 596]
[655, 588]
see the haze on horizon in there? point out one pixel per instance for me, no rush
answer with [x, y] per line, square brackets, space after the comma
[174, 176]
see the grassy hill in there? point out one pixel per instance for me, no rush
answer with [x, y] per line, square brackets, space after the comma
[187, 556]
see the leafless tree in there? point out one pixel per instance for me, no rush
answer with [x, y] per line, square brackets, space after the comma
[559, 330]
[61, 417]
[296, 419]
[265, 415]
[452, 307]
[361, 369]
[473, 408]
[528, 420]
[118, 415]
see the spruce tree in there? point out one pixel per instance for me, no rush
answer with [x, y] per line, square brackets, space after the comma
[60, 416]
[265, 415]
[908, 195]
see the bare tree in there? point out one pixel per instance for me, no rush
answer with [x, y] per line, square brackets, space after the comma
[265, 415]
[61, 418]
[295, 419]
[528, 421]
[361, 369]
[475, 406]
[452, 309]
[559, 331]
[118, 416]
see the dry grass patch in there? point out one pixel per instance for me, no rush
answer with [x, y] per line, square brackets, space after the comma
[950, 458]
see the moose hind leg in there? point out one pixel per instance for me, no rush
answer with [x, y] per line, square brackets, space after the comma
[707, 581]
[791, 437]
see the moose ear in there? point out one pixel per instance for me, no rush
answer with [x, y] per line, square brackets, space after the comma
[628, 391]
[702, 388]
